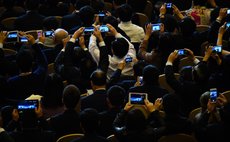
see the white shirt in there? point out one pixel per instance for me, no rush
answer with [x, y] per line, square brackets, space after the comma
[134, 32]
[113, 60]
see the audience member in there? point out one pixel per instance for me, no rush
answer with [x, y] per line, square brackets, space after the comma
[89, 122]
[69, 121]
[4, 136]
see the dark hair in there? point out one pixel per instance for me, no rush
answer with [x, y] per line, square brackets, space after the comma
[138, 67]
[170, 23]
[71, 96]
[135, 120]
[50, 23]
[98, 77]
[89, 120]
[125, 12]
[86, 14]
[111, 20]
[120, 47]
[32, 4]
[171, 104]
[6, 114]
[187, 26]
[151, 74]
[53, 91]
[24, 60]
[116, 95]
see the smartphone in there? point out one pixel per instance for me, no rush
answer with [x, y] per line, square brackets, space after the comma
[48, 33]
[217, 49]
[213, 95]
[169, 8]
[12, 36]
[39, 33]
[23, 39]
[88, 30]
[228, 11]
[104, 28]
[101, 15]
[28, 105]
[156, 27]
[227, 25]
[128, 59]
[137, 98]
[182, 52]
[140, 79]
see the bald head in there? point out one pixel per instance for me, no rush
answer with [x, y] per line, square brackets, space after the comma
[59, 35]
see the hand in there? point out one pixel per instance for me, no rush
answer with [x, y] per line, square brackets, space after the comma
[208, 53]
[211, 106]
[78, 33]
[15, 115]
[222, 100]
[148, 31]
[190, 54]
[121, 65]
[30, 38]
[163, 9]
[222, 13]
[128, 106]
[158, 103]
[97, 20]
[2, 36]
[112, 30]
[38, 110]
[222, 29]
[97, 33]
[177, 12]
[172, 57]
[82, 42]
[42, 38]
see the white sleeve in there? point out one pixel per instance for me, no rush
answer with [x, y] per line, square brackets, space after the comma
[93, 48]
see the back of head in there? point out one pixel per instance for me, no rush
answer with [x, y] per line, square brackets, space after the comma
[204, 100]
[171, 104]
[187, 26]
[138, 67]
[98, 78]
[125, 12]
[89, 120]
[135, 120]
[32, 4]
[24, 60]
[6, 114]
[186, 73]
[120, 47]
[150, 75]
[170, 23]
[201, 73]
[86, 14]
[50, 23]
[116, 95]
[71, 96]
[59, 35]
[111, 20]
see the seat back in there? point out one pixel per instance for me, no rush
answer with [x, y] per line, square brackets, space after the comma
[112, 138]
[202, 28]
[177, 138]
[148, 9]
[186, 61]
[142, 18]
[8, 23]
[9, 52]
[163, 83]
[69, 137]
[193, 113]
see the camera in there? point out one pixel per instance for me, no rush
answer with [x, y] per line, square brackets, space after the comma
[128, 59]
[39, 33]
[48, 33]
[137, 98]
[228, 11]
[88, 30]
[12, 36]
[140, 79]
[156, 27]
[169, 8]
[227, 25]
[168, 5]
[104, 28]
[217, 49]
[182, 52]
[213, 94]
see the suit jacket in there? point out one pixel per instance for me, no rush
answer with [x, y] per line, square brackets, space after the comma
[97, 101]
[32, 20]
[70, 21]
[65, 123]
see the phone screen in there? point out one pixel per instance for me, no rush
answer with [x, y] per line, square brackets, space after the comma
[182, 52]
[128, 59]
[23, 39]
[137, 98]
[12, 37]
[48, 33]
[104, 28]
[28, 105]
[156, 27]
[217, 49]
[213, 94]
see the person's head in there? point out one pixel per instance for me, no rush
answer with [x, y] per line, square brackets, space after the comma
[171, 104]
[125, 12]
[81, 3]
[32, 4]
[111, 20]
[151, 74]
[170, 23]
[71, 96]
[120, 47]
[137, 5]
[24, 60]
[187, 26]
[50, 23]
[135, 120]
[86, 14]
[53, 91]
[204, 100]
[59, 35]
[116, 96]
[98, 79]
[138, 67]
[186, 73]
[6, 114]
[89, 119]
